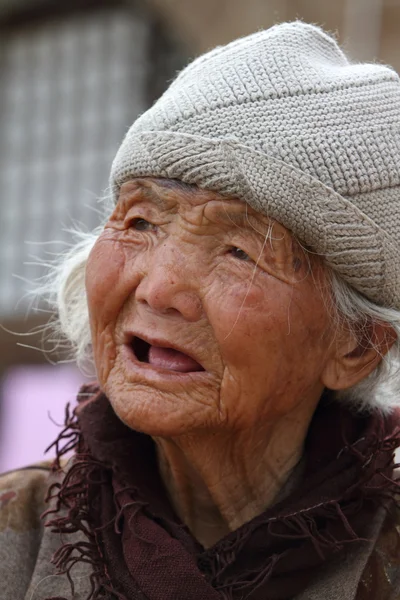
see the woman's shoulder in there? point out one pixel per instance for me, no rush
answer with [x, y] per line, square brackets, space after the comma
[22, 496]
[381, 576]
[27, 545]
[22, 501]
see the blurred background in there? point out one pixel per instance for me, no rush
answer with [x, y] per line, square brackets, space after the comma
[73, 77]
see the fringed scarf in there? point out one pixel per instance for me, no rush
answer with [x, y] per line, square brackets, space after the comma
[140, 550]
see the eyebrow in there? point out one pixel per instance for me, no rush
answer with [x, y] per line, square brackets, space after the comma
[138, 195]
[175, 184]
[246, 221]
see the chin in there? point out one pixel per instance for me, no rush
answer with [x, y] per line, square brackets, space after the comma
[157, 413]
[160, 403]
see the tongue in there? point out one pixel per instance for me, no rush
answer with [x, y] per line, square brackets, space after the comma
[167, 358]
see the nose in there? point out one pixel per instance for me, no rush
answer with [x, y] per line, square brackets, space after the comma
[170, 284]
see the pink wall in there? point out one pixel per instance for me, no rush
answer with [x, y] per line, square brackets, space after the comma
[29, 397]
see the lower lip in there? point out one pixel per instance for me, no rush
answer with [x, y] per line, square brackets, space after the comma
[134, 365]
[171, 360]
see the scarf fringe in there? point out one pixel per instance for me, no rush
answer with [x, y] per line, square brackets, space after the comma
[302, 526]
[72, 497]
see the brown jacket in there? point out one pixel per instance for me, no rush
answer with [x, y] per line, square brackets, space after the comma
[371, 572]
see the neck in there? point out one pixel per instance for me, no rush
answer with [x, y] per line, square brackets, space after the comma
[219, 482]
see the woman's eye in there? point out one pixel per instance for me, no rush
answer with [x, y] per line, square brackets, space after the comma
[239, 254]
[141, 225]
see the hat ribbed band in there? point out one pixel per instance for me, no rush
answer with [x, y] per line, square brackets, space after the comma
[333, 226]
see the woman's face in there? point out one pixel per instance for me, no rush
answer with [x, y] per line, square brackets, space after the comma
[204, 314]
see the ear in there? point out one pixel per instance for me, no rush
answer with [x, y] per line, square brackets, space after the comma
[356, 356]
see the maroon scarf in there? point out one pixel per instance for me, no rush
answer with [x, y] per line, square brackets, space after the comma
[140, 550]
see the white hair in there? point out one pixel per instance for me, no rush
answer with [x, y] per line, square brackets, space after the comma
[381, 388]
[63, 288]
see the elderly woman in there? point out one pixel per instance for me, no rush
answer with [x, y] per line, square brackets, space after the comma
[241, 305]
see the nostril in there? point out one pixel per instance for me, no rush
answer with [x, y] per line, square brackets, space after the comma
[140, 349]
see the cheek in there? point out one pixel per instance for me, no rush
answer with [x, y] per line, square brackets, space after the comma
[104, 271]
[272, 352]
[106, 291]
[246, 311]
[269, 332]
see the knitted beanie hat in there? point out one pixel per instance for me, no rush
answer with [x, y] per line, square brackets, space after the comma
[282, 120]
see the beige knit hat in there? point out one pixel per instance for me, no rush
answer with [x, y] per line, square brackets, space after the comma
[282, 120]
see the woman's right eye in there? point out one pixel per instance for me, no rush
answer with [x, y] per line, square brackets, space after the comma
[142, 225]
[239, 253]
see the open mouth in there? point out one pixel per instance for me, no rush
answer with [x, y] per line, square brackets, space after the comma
[163, 357]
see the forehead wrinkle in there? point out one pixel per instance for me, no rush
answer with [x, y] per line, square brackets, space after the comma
[165, 193]
[153, 194]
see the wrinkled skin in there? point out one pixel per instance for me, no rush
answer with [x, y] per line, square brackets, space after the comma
[260, 330]
[235, 292]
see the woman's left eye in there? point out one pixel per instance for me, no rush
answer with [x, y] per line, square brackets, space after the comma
[142, 225]
[239, 254]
